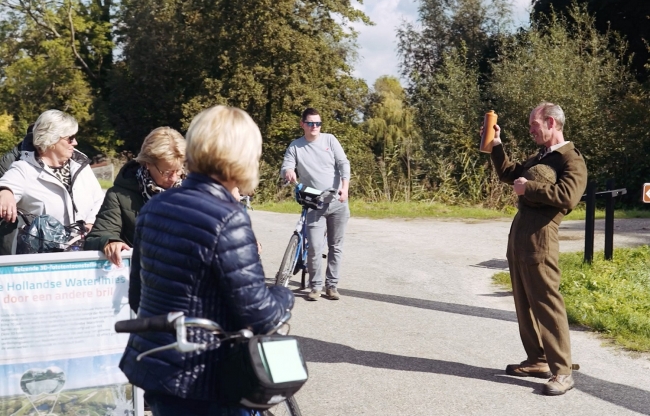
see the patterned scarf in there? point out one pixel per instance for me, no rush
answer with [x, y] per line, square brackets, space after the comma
[62, 173]
[148, 186]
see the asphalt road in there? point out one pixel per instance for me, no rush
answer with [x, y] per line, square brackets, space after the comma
[421, 330]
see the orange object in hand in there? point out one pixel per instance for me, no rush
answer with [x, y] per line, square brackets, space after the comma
[488, 131]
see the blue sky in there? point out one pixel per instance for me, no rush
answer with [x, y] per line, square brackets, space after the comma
[377, 44]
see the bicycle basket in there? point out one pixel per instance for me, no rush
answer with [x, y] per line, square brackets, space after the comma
[46, 234]
[308, 197]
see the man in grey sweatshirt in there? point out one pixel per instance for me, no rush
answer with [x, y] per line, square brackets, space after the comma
[320, 162]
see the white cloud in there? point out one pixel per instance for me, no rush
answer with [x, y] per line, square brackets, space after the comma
[378, 44]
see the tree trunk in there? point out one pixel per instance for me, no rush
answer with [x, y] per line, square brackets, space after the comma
[384, 177]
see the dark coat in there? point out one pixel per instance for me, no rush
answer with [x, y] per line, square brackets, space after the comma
[195, 252]
[7, 230]
[116, 218]
[9, 158]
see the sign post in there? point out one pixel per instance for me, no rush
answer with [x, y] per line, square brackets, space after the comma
[646, 193]
[59, 353]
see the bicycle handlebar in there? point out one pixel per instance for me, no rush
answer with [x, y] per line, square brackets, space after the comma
[160, 323]
[176, 322]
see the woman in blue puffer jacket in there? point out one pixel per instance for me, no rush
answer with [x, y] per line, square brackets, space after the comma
[195, 252]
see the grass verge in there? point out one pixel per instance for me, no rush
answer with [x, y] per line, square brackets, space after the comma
[398, 210]
[359, 208]
[105, 184]
[610, 297]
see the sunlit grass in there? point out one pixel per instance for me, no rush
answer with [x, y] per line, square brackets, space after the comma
[105, 184]
[397, 210]
[359, 208]
[580, 213]
[610, 297]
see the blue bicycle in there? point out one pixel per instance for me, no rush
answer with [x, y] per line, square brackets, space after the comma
[295, 256]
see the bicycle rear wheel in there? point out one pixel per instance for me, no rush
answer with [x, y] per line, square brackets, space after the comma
[288, 407]
[288, 262]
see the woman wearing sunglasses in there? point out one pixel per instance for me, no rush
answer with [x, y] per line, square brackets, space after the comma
[158, 167]
[54, 178]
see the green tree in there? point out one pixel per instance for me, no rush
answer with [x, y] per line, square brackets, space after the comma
[449, 109]
[270, 57]
[56, 55]
[629, 18]
[575, 66]
[390, 123]
[446, 64]
[445, 25]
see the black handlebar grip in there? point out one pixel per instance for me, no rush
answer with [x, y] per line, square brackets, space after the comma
[158, 323]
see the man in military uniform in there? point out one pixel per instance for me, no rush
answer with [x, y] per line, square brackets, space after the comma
[549, 185]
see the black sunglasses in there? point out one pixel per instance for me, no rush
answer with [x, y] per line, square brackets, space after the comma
[314, 123]
[70, 139]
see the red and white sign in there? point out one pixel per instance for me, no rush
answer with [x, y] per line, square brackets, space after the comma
[646, 193]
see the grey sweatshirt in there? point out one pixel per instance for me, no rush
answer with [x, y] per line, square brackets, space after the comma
[320, 164]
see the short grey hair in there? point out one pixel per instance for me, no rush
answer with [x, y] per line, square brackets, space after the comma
[547, 109]
[51, 126]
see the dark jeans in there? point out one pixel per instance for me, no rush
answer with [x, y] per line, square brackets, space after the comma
[163, 405]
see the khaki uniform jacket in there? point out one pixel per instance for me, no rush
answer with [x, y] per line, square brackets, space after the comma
[551, 200]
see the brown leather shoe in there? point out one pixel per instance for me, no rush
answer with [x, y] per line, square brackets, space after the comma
[526, 369]
[558, 385]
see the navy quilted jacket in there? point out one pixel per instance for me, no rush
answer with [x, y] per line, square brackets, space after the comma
[195, 252]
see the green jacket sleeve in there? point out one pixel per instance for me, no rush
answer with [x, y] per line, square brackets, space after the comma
[108, 224]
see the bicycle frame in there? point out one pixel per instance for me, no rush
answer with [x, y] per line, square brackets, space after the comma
[303, 246]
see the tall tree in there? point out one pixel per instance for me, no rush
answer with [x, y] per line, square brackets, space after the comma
[568, 62]
[269, 57]
[390, 122]
[56, 54]
[446, 24]
[629, 18]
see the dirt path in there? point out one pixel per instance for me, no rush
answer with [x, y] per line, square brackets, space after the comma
[421, 330]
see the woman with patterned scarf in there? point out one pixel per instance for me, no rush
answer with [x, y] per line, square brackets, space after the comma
[158, 166]
[52, 178]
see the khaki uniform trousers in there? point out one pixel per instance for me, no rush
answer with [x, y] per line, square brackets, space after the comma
[533, 254]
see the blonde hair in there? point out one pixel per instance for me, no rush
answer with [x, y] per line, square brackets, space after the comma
[162, 144]
[50, 127]
[226, 143]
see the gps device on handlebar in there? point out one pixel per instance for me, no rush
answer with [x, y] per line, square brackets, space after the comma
[310, 197]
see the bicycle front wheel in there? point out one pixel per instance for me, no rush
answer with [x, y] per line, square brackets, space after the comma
[288, 262]
[288, 407]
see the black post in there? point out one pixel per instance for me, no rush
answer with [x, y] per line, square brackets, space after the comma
[609, 221]
[590, 222]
